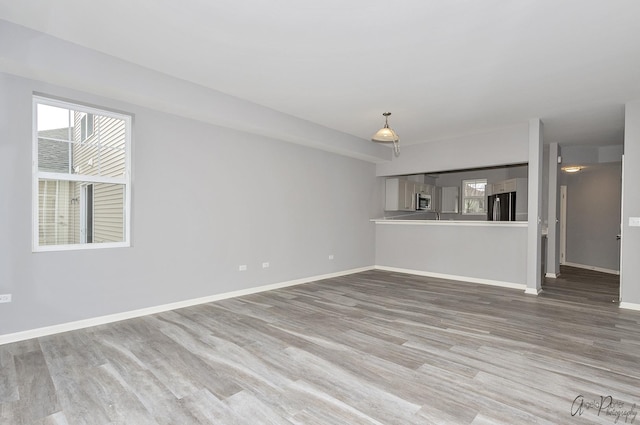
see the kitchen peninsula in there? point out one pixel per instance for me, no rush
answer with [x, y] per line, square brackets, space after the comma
[460, 246]
[474, 251]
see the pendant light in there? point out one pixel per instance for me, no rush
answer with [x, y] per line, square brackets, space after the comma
[387, 135]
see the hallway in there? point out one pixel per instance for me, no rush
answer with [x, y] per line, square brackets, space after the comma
[582, 286]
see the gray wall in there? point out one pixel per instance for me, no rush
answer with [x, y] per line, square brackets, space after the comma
[499, 147]
[489, 252]
[630, 272]
[593, 215]
[534, 206]
[551, 211]
[545, 185]
[205, 200]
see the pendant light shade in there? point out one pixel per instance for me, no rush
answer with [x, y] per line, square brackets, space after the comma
[387, 135]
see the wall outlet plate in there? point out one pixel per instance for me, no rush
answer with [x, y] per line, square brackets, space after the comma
[242, 268]
[265, 265]
[5, 298]
[634, 221]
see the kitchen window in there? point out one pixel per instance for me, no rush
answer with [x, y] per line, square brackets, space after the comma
[81, 177]
[474, 196]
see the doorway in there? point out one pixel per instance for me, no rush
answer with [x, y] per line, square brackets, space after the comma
[589, 226]
[583, 286]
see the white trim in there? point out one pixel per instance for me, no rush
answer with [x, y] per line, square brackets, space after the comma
[499, 283]
[532, 291]
[102, 320]
[80, 246]
[630, 306]
[620, 291]
[552, 275]
[49, 175]
[563, 224]
[594, 268]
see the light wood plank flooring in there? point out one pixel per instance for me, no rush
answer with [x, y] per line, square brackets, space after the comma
[370, 348]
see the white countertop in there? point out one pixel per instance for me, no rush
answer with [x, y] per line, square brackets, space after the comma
[431, 222]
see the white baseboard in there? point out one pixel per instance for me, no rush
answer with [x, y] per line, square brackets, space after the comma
[102, 320]
[454, 277]
[532, 291]
[595, 269]
[630, 306]
[552, 275]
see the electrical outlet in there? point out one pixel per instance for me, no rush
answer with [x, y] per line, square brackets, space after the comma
[265, 265]
[634, 221]
[5, 298]
[330, 256]
[242, 268]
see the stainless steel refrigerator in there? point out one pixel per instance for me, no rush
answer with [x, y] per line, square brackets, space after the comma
[502, 207]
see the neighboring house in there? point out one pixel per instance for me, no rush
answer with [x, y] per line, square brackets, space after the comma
[55, 207]
[73, 212]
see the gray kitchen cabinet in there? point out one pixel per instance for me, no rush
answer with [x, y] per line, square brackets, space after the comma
[399, 194]
[436, 199]
[506, 186]
[450, 199]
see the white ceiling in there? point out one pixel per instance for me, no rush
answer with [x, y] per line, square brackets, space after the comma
[442, 67]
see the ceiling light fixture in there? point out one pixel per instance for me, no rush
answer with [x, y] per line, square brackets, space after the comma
[572, 169]
[387, 135]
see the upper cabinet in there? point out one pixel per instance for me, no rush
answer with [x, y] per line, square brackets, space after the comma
[436, 199]
[450, 200]
[399, 195]
[506, 186]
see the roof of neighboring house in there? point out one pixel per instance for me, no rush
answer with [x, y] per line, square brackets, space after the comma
[53, 155]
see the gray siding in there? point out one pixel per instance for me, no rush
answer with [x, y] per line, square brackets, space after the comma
[108, 213]
[103, 153]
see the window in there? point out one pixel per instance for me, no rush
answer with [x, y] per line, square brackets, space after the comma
[86, 127]
[81, 177]
[474, 196]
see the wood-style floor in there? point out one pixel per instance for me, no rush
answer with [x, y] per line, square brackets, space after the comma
[370, 348]
[583, 286]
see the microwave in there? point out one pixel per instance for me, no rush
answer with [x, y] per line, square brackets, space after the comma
[423, 202]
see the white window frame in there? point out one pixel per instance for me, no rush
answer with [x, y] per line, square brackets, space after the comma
[464, 197]
[37, 175]
[84, 126]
